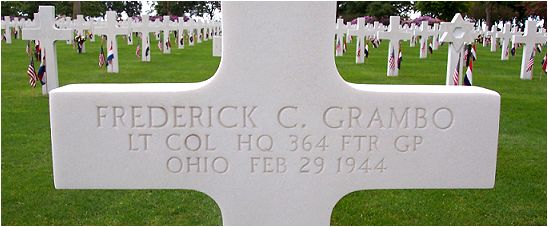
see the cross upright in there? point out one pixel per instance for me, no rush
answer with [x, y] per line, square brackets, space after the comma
[340, 29]
[493, 37]
[436, 37]
[181, 27]
[484, 35]
[17, 25]
[457, 32]
[283, 95]
[193, 29]
[145, 27]
[361, 32]
[424, 32]
[7, 25]
[167, 26]
[530, 38]
[515, 32]
[394, 34]
[505, 35]
[80, 25]
[413, 30]
[66, 23]
[111, 29]
[129, 25]
[349, 27]
[46, 33]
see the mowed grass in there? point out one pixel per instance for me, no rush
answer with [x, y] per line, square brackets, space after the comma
[29, 197]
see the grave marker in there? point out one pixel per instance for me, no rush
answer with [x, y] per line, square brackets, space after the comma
[181, 25]
[80, 24]
[340, 29]
[457, 32]
[166, 27]
[425, 32]
[505, 37]
[111, 29]
[7, 25]
[493, 37]
[436, 37]
[285, 137]
[361, 32]
[394, 34]
[217, 46]
[145, 27]
[530, 38]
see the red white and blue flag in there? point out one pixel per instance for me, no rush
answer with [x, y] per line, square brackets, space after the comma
[531, 62]
[42, 70]
[31, 73]
[544, 60]
[110, 55]
[400, 58]
[366, 50]
[392, 60]
[101, 57]
[138, 50]
[456, 74]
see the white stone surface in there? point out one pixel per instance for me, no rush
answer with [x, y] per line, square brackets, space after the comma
[46, 33]
[361, 32]
[217, 46]
[425, 32]
[436, 36]
[530, 38]
[270, 148]
[493, 36]
[340, 29]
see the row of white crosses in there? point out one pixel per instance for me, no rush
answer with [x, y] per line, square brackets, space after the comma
[530, 38]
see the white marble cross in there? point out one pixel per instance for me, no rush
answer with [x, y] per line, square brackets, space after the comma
[46, 33]
[145, 27]
[457, 32]
[7, 25]
[530, 38]
[424, 32]
[80, 25]
[515, 32]
[394, 34]
[361, 32]
[111, 29]
[493, 37]
[129, 25]
[192, 31]
[66, 23]
[276, 136]
[413, 31]
[181, 27]
[505, 37]
[340, 29]
[436, 37]
[167, 26]
[349, 27]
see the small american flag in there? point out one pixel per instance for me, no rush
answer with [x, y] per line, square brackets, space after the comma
[456, 73]
[32, 73]
[359, 51]
[531, 62]
[160, 45]
[539, 48]
[338, 45]
[138, 51]
[544, 60]
[101, 58]
[392, 60]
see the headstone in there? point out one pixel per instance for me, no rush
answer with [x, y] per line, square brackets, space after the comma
[92, 24]
[349, 27]
[424, 32]
[80, 24]
[515, 32]
[505, 37]
[145, 27]
[67, 24]
[276, 136]
[217, 46]
[530, 38]
[493, 37]
[340, 29]
[181, 26]
[111, 29]
[46, 33]
[8, 26]
[394, 34]
[167, 26]
[457, 32]
[192, 27]
[484, 35]
[129, 25]
[361, 32]
[413, 31]
[436, 36]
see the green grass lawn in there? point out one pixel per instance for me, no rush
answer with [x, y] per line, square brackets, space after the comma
[29, 197]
